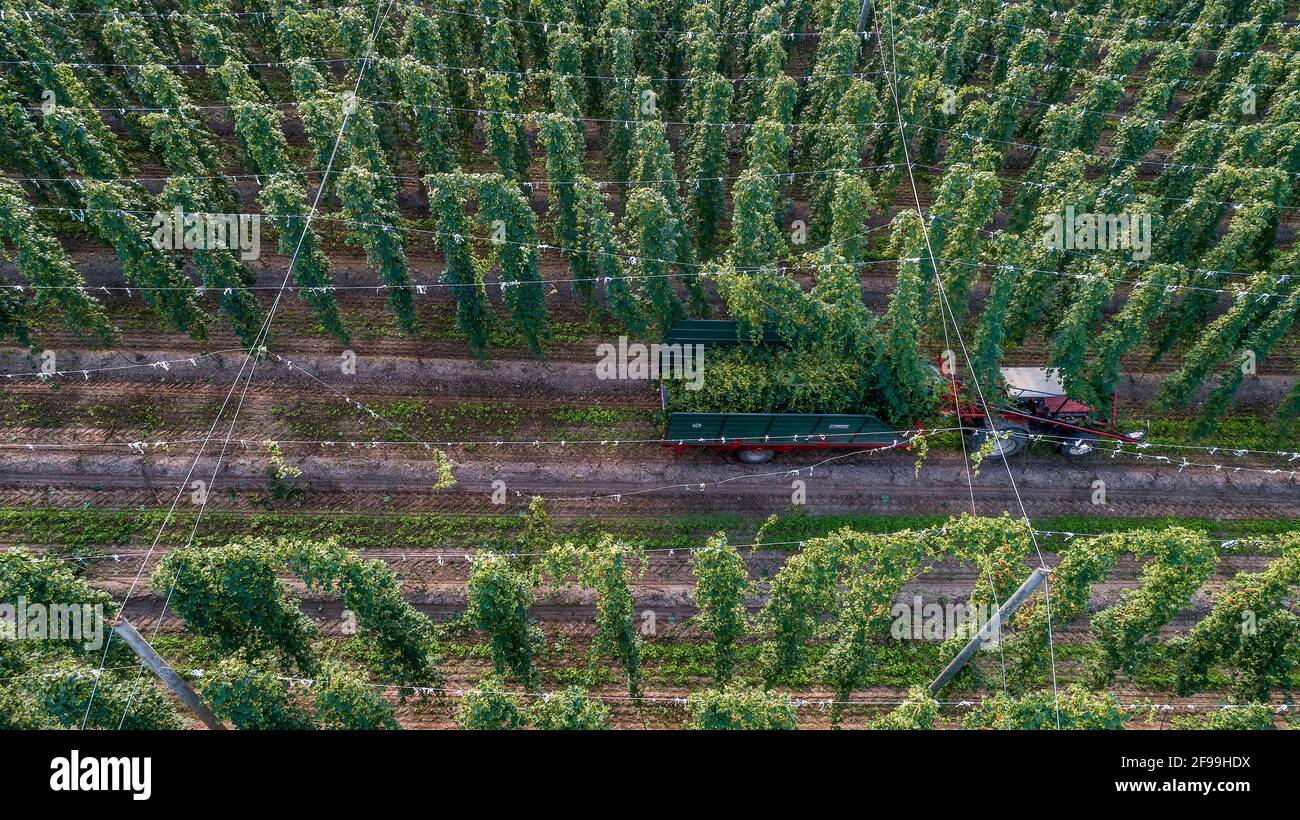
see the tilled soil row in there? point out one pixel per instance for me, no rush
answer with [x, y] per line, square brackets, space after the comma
[332, 378]
[597, 480]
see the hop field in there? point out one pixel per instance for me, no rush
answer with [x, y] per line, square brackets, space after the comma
[376, 364]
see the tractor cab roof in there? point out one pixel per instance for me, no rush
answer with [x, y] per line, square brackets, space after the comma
[1032, 383]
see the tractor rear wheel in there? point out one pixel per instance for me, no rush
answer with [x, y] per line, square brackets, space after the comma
[1013, 438]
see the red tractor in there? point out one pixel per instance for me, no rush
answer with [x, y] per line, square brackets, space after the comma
[1035, 403]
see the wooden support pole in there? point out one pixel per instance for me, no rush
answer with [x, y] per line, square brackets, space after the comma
[123, 629]
[1004, 612]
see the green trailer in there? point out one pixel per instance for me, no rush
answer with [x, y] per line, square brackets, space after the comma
[756, 437]
[713, 333]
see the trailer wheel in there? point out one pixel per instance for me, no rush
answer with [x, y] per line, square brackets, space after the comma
[1006, 447]
[755, 456]
[1078, 446]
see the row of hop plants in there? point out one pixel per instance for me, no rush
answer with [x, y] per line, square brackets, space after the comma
[836, 593]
